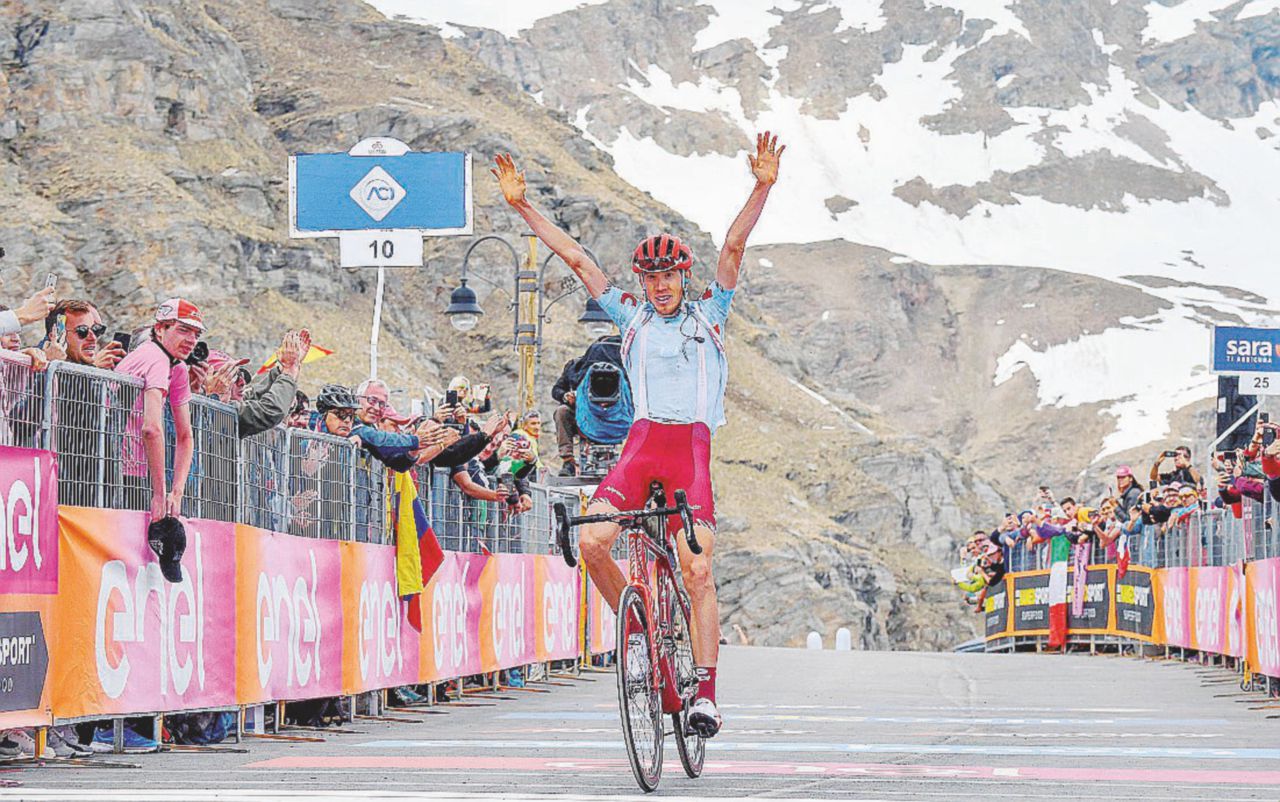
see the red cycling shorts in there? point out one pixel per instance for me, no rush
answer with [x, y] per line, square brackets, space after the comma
[676, 454]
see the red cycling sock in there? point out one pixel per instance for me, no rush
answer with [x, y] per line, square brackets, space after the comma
[706, 682]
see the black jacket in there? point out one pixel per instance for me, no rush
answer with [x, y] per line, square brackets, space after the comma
[606, 349]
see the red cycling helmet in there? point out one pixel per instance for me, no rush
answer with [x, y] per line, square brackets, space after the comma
[660, 254]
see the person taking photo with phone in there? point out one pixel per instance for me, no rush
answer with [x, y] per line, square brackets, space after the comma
[1183, 471]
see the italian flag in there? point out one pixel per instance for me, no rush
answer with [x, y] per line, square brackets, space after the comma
[1059, 548]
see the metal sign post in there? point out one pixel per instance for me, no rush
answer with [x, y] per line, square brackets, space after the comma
[379, 199]
[1252, 355]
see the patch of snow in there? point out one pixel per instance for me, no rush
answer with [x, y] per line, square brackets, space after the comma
[1031, 305]
[1170, 23]
[1102, 43]
[1006, 79]
[861, 15]
[742, 19]
[1257, 8]
[821, 399]
[826, 315]
[766, 262]
[708, 95]
[1116, 366]
[1000, 322]
[502, 16]
[998, 11]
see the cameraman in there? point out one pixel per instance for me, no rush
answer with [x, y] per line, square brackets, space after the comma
[1183, 472]
[606, 349]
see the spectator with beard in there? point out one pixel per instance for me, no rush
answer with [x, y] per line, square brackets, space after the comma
[84, 333]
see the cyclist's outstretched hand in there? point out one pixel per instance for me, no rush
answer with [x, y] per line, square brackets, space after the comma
[510, 180]
[764, 165]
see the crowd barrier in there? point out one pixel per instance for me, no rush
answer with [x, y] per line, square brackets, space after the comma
[1205, 584]
[289, 588]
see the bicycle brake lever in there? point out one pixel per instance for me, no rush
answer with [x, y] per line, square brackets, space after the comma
[562, 534]
[686, 517]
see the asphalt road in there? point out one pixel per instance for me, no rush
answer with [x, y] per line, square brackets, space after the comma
[798, 724]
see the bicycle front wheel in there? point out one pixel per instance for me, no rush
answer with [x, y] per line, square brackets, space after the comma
[638, 700]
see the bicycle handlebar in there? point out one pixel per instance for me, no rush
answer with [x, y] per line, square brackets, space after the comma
[565, 522]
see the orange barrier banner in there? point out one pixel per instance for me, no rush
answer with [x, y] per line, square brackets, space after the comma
[507, 612]
[379, 647]
[127, 641]
[1262, 627]
[28, 582]
[289, 619]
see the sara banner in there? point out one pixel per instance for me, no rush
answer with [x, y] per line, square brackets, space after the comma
[126, 640]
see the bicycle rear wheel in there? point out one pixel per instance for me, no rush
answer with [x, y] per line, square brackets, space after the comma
[638, 701]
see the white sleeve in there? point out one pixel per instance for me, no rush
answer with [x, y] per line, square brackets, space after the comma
[9, 322]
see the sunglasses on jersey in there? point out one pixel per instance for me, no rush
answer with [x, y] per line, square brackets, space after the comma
[82, 331]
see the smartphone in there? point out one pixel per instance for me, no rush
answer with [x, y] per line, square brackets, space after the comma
[123, 338]
[451, 398]
[1264, 417]
[60, 330]
[50, 281]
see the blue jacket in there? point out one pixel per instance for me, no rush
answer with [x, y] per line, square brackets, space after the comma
[389, 448]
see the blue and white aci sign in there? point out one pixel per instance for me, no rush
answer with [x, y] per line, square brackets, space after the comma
[1238, 350]
[335, 193]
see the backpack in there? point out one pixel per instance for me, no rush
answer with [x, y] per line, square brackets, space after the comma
[604, 409]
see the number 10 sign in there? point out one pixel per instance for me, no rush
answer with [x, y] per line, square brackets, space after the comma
[380, 199]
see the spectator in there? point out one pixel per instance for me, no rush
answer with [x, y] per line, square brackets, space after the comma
[160, 363]
[1183, 471]
[374, 397]
[335, 411]
[13, 342]
[1127, 491]
[300, 415]
[265, 401]
[29, 311]
[393, 421]
[565, 392]
[84, 331]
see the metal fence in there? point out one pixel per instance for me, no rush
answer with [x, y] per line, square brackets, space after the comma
[1213, 537]
[286, 480]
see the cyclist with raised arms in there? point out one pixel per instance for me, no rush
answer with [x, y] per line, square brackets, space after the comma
[673, 349]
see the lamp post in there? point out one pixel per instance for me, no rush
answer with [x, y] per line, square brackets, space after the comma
[528, 300]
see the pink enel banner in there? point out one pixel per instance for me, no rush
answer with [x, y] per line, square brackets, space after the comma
[557, 596]
[128, 641]
[451, 615]
[380, 647]
[29, 535]
[288, 616]
[1209, 592]
[1174, 606]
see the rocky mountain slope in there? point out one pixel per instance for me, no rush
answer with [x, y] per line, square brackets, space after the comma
[1125, 140]
[144, 155]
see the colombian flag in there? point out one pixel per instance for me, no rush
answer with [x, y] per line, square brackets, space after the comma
[418, 553]
[314, 353]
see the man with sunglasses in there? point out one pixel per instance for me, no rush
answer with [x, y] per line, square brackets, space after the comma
[85, 332]
[673, 349]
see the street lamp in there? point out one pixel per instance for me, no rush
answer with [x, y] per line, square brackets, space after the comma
[597, 321]
[529, 303]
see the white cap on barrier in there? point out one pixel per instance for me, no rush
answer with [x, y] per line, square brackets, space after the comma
[844, 639]
[814, 641]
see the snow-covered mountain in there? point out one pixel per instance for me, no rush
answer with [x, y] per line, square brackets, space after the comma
[1131, 141]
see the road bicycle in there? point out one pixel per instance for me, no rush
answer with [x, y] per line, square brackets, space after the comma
[656, 674]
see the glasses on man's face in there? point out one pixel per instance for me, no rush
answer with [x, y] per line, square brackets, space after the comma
[344, 414]
[376, 403]
[82, 331]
